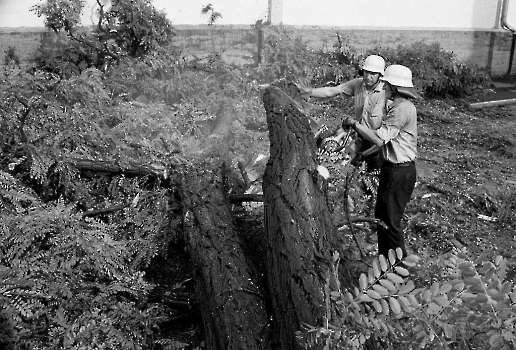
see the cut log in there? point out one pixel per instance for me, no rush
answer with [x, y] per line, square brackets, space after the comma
[300, 233]
[129, 168]
[232, 304]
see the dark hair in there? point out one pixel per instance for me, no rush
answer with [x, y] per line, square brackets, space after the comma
[361, 72]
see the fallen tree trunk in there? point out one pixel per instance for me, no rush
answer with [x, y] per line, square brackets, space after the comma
[129, 168]
[300, 233]
[232, 304]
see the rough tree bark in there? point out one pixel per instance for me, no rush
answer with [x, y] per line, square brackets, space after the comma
[232, 304]
[300, 233]
[301, 240]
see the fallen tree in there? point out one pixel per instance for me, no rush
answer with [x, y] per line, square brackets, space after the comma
[232, 303]
[239, 311]
[300, 239]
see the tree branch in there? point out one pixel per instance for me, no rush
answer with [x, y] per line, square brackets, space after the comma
[130, 168]
[23, 117]
[246, 197]
[108, 210]
[370, 220]
[101, 16]
[349, 178]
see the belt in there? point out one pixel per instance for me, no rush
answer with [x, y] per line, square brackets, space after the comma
[395, 165]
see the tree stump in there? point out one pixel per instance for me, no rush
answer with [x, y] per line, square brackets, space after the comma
[232, 304]
[300, 233]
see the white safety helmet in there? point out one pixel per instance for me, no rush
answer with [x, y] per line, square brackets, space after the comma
[375, 64]
[398, 75]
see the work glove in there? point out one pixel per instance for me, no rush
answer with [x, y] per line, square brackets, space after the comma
[349, 122]
[359, 158]
[319, 141]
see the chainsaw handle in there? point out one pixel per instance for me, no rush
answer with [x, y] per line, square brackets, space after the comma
[343, 135]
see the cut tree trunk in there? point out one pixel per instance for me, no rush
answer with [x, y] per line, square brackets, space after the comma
[232, 304]
[300, 233]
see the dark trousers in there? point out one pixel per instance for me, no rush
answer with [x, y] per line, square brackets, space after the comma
[394, 191]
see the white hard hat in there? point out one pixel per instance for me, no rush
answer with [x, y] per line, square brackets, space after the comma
[375, 64]
[398, 75]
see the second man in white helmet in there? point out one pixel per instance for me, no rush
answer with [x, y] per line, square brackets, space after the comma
[368, 100]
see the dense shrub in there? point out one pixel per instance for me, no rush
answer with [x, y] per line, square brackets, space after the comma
[436, 72]
[287, 55]
[67, 282]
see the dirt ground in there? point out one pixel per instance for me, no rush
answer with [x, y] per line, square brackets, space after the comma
[467, 182]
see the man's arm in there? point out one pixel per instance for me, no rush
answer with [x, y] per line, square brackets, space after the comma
[347, 88]
[325, 92]
[370, 151]
[368, 134]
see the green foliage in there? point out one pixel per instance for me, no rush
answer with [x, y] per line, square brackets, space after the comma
[87, 284]
[213, 15]
[473, 305]
[69, 281]
[86, 278]
[59, 55]
[285, 54]
[339, 65]
[150, 78]
[60, 14]
[138, 27]
[436, 72]
[506, 207]
[11, 58]
[66, 282]
[124, 28]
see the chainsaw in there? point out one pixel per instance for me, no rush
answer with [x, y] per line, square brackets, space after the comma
[329, 144]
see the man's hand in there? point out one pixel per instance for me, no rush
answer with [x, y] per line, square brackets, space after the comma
[349, 122]
[359, 158]
[319, 141]
[305, 92]
[323, 134]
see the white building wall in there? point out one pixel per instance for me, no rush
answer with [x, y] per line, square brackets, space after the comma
[446, 14]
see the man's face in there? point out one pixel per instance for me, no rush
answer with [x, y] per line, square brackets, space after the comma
[371, 78]
[388, 90]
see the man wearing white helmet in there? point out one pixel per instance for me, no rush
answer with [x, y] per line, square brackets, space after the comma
[368, 98]
[397, 142]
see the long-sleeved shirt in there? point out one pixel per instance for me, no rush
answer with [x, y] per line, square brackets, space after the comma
[399, 132]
